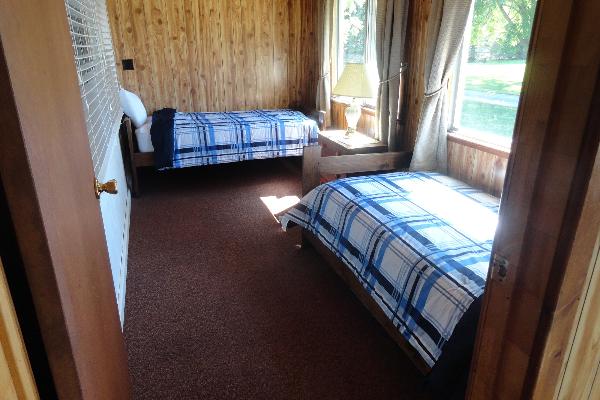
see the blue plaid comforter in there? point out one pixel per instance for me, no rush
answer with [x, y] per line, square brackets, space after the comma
[223, 137]
[419, 243]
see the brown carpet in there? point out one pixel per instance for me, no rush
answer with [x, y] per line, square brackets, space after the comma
[221, 304]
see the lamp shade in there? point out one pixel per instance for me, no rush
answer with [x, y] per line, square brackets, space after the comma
[356, 81]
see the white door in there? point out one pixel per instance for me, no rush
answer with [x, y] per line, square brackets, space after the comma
[115, 217]
[98, 83]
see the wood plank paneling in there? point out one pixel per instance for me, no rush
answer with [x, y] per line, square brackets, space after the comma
[417, 37]
[577, 355]
[216, 55]
[583, 362]
[480, 167]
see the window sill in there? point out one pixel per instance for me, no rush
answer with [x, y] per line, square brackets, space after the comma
[487, 147]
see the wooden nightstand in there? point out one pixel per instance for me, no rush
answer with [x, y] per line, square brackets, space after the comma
[334, 143]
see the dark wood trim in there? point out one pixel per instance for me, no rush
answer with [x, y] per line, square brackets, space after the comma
[348, 277]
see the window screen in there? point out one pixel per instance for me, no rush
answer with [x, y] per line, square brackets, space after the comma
[96, 70]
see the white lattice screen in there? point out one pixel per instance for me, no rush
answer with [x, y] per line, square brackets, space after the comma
[98, 82]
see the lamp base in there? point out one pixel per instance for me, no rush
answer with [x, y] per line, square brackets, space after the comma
[352, 114]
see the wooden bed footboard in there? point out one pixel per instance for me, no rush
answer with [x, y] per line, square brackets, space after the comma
[314, 166]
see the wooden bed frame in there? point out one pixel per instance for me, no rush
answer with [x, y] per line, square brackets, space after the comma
[138, 159]
[314, 166]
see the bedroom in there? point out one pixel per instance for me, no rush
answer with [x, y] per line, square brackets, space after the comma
[197, 290]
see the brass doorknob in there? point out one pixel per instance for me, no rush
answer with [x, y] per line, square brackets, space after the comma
[108, 187]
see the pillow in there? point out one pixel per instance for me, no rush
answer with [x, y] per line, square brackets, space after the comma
[133, 107]
[142, 135]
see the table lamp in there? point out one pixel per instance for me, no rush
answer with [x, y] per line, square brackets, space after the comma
[355, 82]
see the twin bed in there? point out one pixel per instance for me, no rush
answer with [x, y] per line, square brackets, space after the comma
[181, 139]
[418, 243]
[414, 247]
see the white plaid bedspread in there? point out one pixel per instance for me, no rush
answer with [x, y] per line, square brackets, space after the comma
[419, 243]
[223, 137]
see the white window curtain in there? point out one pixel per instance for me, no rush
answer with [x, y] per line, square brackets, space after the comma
[431, 150]
[390, 36]
[370, 52]
[98, 82]
[325, 41]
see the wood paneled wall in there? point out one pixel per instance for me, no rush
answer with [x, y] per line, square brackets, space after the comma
[479, 166]
[417, 39]
[580, 372]
[216, 55]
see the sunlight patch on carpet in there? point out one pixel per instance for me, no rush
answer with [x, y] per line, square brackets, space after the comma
[278, 205]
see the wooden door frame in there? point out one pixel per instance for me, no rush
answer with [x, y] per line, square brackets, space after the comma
[549, 169]
[15, 370]
[567, 283]
[567, 365]
[47, 173]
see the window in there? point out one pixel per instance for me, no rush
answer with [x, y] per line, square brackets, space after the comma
[490, 72]
[356, 35]
[95, 62]
[353, 30]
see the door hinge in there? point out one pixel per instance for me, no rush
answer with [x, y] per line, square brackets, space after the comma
[500, 266]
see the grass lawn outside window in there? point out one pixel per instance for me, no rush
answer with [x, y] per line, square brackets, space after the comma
[491, 98]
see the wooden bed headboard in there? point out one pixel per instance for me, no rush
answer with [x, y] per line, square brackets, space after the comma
[314, 165]
[135, 158]
[318, 116]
